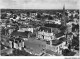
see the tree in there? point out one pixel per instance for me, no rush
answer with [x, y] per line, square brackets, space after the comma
[7, 21]
[65, 52]
[2, 31]
[3, 16]
[69, 46]
[75, 41]
[38, 16]
[50, 17]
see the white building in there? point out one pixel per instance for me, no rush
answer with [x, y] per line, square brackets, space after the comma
[56, 45]
[33, 14]
[69, 27]
[11, 30]
[16, 43]
[45, 34]
[69, 38]
[48, 32]
[75, 21]
[23, 29]
[3, 25]
[57, 21]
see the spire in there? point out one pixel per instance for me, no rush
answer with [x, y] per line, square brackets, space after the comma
[63, 17]
[64, 7]
[64, 10]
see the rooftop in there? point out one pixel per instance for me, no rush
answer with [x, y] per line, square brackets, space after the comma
[52, 52]
[45, 29]
[59, 34]
[48, 29]
[57, 42]
[69, 34]
[12, 27]
[22, 34]
[52, 25]
[75, 26]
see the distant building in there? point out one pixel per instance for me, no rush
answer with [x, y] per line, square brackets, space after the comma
[23, 16]
[16, 43]
[23, 29]
[33, 14]
[25, 34]
[69, 38]
[64, 18]
[48, 31]
[55, 39]
[69, 27]
[45, 34]
[3, 25]
[17, 39]
[56, 45]
[57, 21]
[10, 30]
[15, 19]
[75, 21]
[60, 35]
[75, 27]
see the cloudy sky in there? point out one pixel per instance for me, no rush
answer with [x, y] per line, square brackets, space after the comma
[39, 4]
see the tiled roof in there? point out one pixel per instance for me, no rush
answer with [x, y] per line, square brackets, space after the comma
[22, 34]
[69, 34]
[52, 52]
[52, 25]
[55, 30]
[48, 29]
[59, 34]
[45, 29]
[57, 42]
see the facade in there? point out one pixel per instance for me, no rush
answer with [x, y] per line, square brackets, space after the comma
[55, 39]
[57, 21]
[69, 38]
[75, 21]
[56, 45]
[33, 14]
[26, 29]
[45, 34]
[69, 27]
[48, 31]
[60, 35]
[24, 35]
[3, 25]
[11, 29]
[16, 43]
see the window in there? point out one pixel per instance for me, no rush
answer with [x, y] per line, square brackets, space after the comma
[16, 41]
[43, 36]
[57, 50]
[57, 47]
[60, 46]
[48, 42]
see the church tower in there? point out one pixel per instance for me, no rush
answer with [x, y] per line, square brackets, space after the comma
[63, 21]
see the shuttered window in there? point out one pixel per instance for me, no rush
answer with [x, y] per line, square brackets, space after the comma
[48, 42]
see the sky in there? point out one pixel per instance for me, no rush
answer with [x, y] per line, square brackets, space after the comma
[39, 4]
